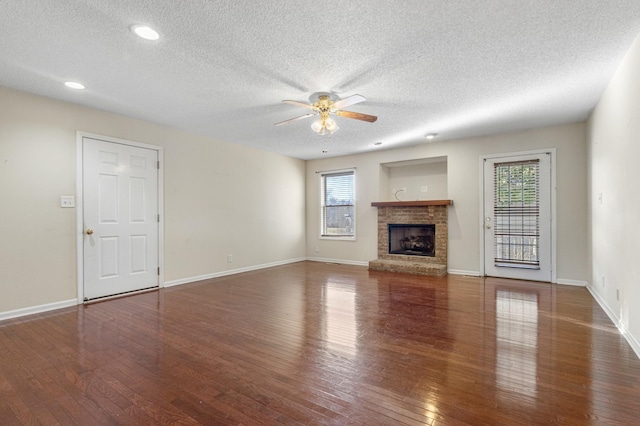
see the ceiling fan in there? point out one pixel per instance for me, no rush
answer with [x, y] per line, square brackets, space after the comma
[324, 104]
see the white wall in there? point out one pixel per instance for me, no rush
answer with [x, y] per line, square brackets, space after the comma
[463, 188]
[614, 150]
[220, 199]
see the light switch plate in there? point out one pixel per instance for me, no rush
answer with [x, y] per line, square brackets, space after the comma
[67, 201]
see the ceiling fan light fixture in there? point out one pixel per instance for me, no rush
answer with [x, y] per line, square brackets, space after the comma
[323, 106]
[324, 124]
[331, 125]
[317, 126]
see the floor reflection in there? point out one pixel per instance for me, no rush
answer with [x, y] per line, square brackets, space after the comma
[516, 341]
[340, 326]
[314, 343]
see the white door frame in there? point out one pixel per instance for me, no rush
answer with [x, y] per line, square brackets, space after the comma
[80, 208]
[554, 251]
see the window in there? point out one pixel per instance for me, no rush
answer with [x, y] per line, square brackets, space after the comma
[338, 204]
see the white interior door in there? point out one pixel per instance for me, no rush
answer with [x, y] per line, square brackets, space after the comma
[120, 208]
[517, 217]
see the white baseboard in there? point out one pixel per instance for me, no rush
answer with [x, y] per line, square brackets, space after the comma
[37, 309]
[230, 272]
[340, 261]
[630, 338]
[463, 272]
[612, 316]
[633, 342]
[558, 281]
[577, 283]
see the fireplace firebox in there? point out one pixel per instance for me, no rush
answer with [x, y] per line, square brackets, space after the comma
[412, 239]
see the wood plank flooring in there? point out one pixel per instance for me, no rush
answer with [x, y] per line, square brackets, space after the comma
[314, 343]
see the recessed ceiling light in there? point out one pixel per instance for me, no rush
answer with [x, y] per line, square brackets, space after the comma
[145, 32]
[431, 136]
[74, 85]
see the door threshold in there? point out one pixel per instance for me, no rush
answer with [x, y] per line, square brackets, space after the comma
[119, 295]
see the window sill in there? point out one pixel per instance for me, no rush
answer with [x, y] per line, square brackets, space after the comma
[338, 237]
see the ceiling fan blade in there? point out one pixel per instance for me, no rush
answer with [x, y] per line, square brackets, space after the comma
[302, 104]
[357, 116]
[351, 100]
[294, 119]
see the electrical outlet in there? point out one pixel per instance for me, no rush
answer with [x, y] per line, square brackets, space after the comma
[67, 201]
[424, 188]
[317, 249]
[229, 258]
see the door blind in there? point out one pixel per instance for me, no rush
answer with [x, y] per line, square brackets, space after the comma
[517, 213]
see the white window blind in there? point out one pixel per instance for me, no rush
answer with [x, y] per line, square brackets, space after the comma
[338, 204]
[517, 213]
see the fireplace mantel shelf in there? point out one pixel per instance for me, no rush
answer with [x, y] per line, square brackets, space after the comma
[422, 203]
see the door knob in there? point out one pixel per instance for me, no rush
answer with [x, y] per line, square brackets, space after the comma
[89, 231]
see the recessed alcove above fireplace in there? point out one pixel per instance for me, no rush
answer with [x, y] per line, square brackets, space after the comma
[414, 180]
[419, 222]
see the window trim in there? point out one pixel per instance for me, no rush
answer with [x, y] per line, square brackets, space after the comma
[322, 175]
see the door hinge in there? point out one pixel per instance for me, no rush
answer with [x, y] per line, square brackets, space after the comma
[158, 217]
[158, 165]
[158, 271]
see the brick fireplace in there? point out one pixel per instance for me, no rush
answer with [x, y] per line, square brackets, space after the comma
[406, 213]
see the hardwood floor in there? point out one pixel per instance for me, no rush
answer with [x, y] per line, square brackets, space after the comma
[314, 343]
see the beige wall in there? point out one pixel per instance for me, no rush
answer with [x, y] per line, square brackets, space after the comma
[216, 194]
[412, 178]
[614, 149]
[463, 159]
[220, 199]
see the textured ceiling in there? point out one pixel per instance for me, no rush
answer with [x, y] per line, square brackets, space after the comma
[458, 68]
